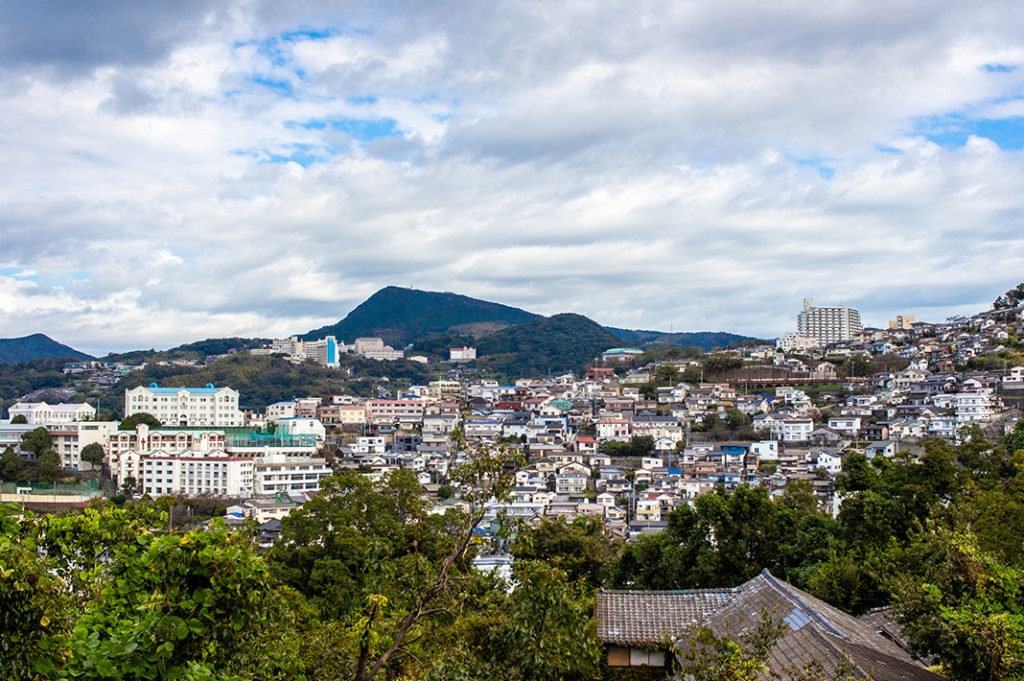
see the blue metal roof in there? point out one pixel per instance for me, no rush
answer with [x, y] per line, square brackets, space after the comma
[207, 390]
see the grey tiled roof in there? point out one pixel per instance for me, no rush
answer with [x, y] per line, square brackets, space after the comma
[813, 631]
[630, 617]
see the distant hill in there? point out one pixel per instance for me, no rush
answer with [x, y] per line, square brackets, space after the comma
[219, 346]
[705, 340]
[563, 342]
[264, 380]
[36, 346]
[403, 315]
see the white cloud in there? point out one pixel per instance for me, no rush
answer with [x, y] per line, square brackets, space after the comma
[647, 166]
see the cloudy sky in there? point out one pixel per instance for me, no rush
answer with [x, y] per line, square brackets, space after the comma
[177, 171]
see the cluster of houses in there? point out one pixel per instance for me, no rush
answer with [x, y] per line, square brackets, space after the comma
[208, 445]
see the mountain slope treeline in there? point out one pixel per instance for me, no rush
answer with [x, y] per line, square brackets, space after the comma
[36, 346]
[705, 340]
[263, 380]
[401, 316]
[562, 342]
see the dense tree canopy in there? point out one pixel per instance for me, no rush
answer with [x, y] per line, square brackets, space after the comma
[581, 548]
[93, 453]
[370, 582]
[36, 441]
[137, 419]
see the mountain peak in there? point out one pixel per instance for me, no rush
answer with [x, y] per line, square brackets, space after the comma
[403, 315]
[35, 346]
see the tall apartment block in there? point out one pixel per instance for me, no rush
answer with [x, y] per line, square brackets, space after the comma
[830, 324]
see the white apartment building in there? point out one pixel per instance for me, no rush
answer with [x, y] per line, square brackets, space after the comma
[974, 407]
[831, 324]
[791, 430]
[213, 473]
[186, 407]
[280, 410]
[394, 411]
[277, 473]
[369, 444]
[847, 425]
[43, 414]
[613, 429]
[465, 354]
[791, 341]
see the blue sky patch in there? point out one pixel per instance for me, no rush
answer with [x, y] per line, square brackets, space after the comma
[361, 100]
[366, 129]
[952, 131]
[362, 129]
[269, 49]
[18, 273]
[999, 68]
[307, 33]
[311, 124]
[819, 163]
[280, 86]
[303, 154]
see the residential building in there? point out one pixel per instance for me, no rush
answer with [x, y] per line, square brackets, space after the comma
[276, 474]
[280, 410]
[791, 341]
[343, 414]
[394, 411]
[828, 324]
[791, 429]
[466, 354]
[903, 322]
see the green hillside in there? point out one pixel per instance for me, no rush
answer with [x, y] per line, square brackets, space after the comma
[36, 346]
[563, 342]
[705, 340]
[403, 315]
[262, 380]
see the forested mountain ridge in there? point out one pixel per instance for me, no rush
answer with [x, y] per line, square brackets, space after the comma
[402, 315]
[562, 342]
[36, 346]
[705, 340]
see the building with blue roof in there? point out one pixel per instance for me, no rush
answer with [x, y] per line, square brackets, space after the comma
[620, 354]
[186, 407]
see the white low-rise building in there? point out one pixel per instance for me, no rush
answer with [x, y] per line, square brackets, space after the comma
[43, 414]
[792, 429]
[302, 426]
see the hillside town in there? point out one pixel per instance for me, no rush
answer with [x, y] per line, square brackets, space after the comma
[625, 441]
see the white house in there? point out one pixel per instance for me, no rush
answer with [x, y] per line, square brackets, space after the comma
[792, 429]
